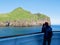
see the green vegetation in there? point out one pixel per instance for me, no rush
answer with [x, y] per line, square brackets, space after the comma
[21, 14]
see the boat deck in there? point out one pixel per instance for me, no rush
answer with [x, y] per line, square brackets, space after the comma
[29, 39]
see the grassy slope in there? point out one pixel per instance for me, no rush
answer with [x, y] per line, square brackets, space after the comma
[21, 14]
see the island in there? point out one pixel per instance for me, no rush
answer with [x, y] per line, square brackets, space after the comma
[21, 17]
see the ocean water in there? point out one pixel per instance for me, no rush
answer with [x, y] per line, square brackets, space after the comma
[55, 27]
[8, 31]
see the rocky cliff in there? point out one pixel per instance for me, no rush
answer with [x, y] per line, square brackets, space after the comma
[21, 17]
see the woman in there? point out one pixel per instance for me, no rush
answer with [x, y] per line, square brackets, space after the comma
[47, 30]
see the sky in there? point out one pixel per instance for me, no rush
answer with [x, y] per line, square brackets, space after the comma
[50, 8]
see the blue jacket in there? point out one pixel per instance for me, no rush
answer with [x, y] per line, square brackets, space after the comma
[47, 30]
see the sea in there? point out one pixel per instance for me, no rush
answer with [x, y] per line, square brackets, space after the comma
[9, 31]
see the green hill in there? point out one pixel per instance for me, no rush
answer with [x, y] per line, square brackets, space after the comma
[22, 16]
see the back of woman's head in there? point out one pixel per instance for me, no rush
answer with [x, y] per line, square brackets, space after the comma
[46, 23]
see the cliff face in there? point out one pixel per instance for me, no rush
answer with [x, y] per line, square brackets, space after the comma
[21, 17]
